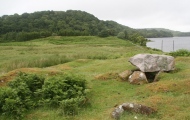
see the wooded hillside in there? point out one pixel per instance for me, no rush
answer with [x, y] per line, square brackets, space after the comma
[46, 23]
[63, 23]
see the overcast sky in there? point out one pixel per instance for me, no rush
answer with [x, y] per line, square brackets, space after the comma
[171, 14]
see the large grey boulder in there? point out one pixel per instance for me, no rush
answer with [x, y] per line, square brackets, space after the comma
[153, 62]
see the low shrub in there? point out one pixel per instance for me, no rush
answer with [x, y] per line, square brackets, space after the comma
[61, 88]
[71, 106]
[28, 91]
[11, 103]
[180, 52]
[20, 96]
[155, 49]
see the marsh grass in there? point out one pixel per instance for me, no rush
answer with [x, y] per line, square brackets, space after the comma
[102, 58]
[58, 50]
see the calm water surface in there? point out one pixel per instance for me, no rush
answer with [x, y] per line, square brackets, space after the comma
[169, 44]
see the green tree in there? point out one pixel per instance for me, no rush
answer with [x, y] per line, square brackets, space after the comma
[104, 33]
[138, 39]
[126, 34]
[121, 35]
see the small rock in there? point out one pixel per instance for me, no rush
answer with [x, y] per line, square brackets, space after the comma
[117, 112]
[125, 75]
[157, 76]
[138, 77]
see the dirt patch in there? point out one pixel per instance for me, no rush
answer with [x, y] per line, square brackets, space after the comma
[12, 74]
[169, 86]
[6, 78]
[155, 87]
[107, 76]
[154, 100]
[64, 67]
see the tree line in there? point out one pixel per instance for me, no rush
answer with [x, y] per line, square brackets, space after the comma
[153, 33]
[42, 24]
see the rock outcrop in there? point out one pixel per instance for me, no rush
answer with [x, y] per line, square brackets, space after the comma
[153, 62]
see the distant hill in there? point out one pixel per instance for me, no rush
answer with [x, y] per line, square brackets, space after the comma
[175, 33]
[64, 23]
[154, 33]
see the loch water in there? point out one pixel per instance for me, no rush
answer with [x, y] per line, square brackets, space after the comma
[169, 44]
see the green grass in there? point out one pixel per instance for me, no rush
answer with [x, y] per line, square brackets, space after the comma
[57, 50]
[100, 60]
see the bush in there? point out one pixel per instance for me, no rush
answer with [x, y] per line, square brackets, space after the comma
[104, 33]
[67, 92]
[180, 52]
[138, 39]
[20, 96]
[27, 85]
[121, 35]
[11, 104]
[28, 91]
[61, 88]
[71, 106]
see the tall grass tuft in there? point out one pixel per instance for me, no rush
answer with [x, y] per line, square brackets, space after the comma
[38, 62]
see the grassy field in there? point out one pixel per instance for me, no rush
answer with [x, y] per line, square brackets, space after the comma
[99, 60]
